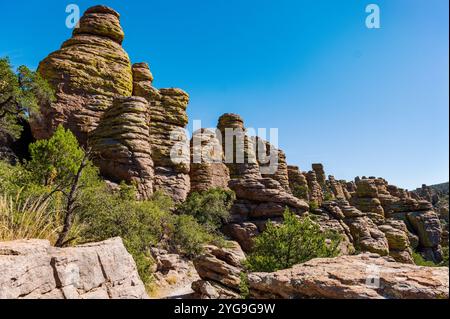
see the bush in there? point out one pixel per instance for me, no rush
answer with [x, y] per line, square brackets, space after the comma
[57, 159]
[300, 192]
[420, 261]
[210, 208]
[293, 242]
[188, 236]
[141, 225]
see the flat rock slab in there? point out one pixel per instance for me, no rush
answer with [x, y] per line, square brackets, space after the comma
[32, 269]
[352, 277]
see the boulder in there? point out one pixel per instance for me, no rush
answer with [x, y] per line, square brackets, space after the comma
[220, 270]
[365, 276]
[32, 269]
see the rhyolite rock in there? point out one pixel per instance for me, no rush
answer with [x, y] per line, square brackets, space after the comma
[170, 144]
[365, 276]
[220, 272]
[207, 168]
[121, 144]
[298, 183]
[87, 73]
[32, 269]
[258, 199]
[315, 189]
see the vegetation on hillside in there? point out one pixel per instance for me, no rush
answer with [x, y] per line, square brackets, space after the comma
[58, 195]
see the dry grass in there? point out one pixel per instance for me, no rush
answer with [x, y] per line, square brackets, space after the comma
[29, 219]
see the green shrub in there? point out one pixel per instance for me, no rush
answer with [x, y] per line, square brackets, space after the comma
[328, 196]
[420, 261]
[141, 225]
[188, 236]
[293, 242]
[57, 159]
[210, 208]
[313, 205]
[244, 288]
[300, 191]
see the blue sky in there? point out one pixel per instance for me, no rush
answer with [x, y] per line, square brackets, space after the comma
[363, 102]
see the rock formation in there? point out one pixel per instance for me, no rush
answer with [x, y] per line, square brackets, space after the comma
[315, 189]
[320, 174]
[121, 144]
[298, 183]
[258, 199]
[208, 170]
[167, 133]
[87, 73]
[220, 272]
[352, 277]
[32, 269]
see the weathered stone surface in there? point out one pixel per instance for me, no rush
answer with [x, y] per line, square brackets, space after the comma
[171, 274]
[244, 233]
[220, 270]
[32, 269]
[427, 226]
[315, 189]
[352, 277]
[170, 145]
[274, 164]
[397, 235]
[121, 144]
[240, 156]
[320, 173]
[367, 236]
[298, 183]
[87, 73]
[337, 189]
[207, 168]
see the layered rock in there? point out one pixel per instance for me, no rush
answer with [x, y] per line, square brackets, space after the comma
[170, 145]
[207, 168]
[298, 183]
[352, 277]
[338, 189]
[274, 163]
[365, 233]
[315, 189]
[87, 73]
[121, 144]
[172, 274]
[320, 174]
[366, 198]
[32, 269]
[258, 199]
[220, 272]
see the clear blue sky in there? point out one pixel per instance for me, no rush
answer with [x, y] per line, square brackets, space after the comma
[363, 102]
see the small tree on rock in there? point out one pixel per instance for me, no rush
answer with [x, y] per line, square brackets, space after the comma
[295, 241]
